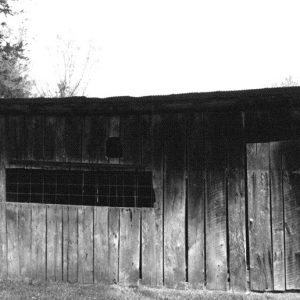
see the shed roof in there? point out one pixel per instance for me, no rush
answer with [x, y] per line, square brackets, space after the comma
[267, 98]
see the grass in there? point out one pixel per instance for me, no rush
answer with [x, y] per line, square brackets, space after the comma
[22, 290]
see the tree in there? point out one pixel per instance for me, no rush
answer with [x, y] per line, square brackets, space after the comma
[288, 81]
[14, 82]
[72, 69]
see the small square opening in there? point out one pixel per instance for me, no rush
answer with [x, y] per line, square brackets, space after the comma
[113, 147]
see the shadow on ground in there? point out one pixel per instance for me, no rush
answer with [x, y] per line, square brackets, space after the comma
[25, 290]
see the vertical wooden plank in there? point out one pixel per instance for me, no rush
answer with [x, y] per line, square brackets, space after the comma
[60, 142]
[38, 141]
[59, 243]
[16, 137]
[146, 140]
[130, 139]
[54, 141]
[195, 201]
[28, 128]
[85, 245]
[149, 276]
[151, 264]
[12, 240]
[259, 217]
[38, 248]
[101, 266]
[277, 216]
[73, 138]
[158, 187]
[113, 244]
[65, 242]
[3, 160]
[81, 244]
[114, 131]
[95, 133]
[174, 202]
[216, 149]
[54, 243]
[49, 137]
[291, 193]
[73, 246]
[3, 243]
[35, 138]
[236, 204]
[24, 230]
[51, 241]
[114, 126]
[152, 153]
[129, 246]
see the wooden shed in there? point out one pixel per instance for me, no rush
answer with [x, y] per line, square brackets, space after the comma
[194, 190]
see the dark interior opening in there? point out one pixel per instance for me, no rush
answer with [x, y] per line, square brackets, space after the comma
[113, 147]
[94, 188]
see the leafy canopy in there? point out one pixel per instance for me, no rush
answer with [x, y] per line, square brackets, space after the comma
[14, 82]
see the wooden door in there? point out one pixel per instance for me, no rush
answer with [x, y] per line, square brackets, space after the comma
[273, 178]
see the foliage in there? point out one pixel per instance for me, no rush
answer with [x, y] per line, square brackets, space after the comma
[14, 82]
[288, 81]
[4, 7]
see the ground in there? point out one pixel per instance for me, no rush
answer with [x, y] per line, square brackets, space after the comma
[25, 290]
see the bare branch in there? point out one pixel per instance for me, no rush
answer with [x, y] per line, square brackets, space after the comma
[72, 69]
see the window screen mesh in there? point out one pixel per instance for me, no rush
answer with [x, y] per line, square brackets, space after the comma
[123, 189]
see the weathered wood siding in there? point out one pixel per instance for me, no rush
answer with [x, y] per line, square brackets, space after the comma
[273, 198]
[290, 151]
[260, 239]
[42, 243]
[174, 201]
[195, 201]
[226, 202]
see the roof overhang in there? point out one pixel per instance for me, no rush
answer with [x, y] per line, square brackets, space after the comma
[263, 99]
